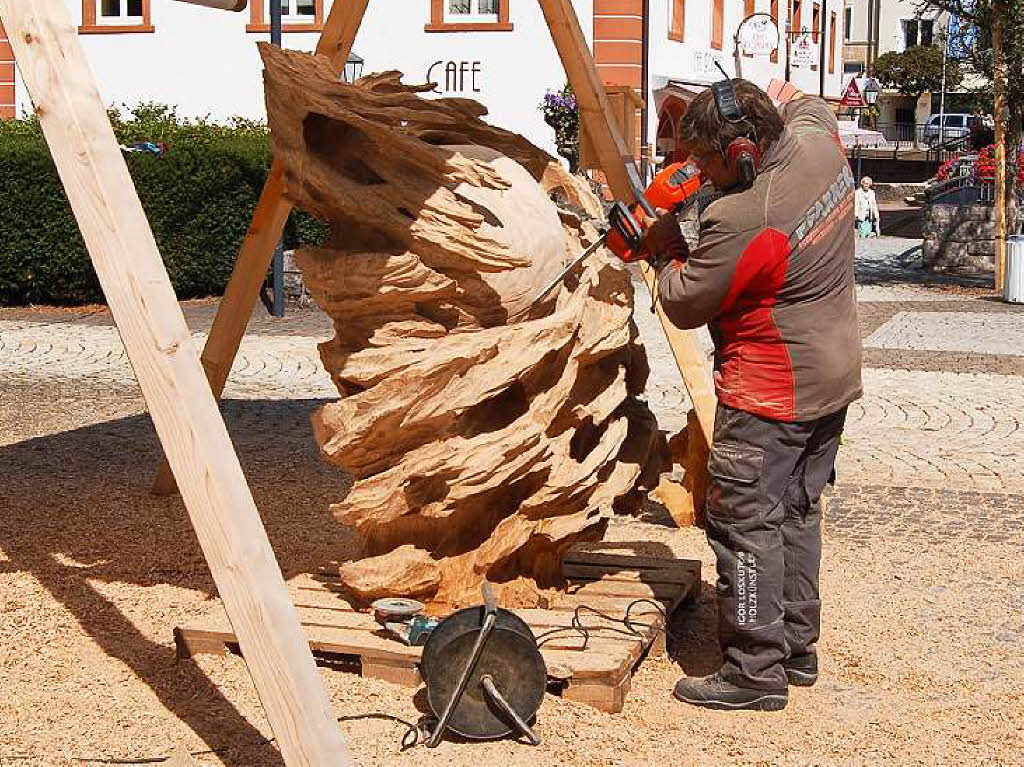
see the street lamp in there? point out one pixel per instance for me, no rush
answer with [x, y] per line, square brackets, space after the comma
[871, 91]
[353, 68]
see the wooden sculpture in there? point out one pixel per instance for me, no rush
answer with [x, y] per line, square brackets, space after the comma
[485, 438]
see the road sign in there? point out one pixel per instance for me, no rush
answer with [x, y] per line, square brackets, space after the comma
[852, 96]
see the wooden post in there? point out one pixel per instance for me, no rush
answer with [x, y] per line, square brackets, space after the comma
[999, 87]
[166, 364]
[617, 163]
[264, 233]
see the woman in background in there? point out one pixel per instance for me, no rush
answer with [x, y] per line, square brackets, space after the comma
[865, 209]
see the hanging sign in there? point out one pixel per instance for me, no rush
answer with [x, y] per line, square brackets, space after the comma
[852, 96]
[758, 35]
[805, 51]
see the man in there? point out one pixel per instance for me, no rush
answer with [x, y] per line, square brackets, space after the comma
[772, 276]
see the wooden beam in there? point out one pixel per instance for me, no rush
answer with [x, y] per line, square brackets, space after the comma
[264, 233]
[166, 364]
[620, 171]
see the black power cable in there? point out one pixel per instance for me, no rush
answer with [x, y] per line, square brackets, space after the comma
[630, 628]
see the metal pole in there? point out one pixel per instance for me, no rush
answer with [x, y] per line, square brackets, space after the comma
[822, 27]
[789, 30]
[942, 96]
[277, 270]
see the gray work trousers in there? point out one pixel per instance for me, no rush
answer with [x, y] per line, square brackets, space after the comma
[764, 524]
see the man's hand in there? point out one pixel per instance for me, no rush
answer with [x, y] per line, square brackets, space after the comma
[782, 92]
[663, 239]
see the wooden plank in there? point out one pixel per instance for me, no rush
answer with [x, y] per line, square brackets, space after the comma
[599, 572]
[630, 589]
[166, 364]
[630, 561]
[264, 233]
[616, 162]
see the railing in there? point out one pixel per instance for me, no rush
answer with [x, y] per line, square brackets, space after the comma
[961, 190]
[942, 151]
[922, 137]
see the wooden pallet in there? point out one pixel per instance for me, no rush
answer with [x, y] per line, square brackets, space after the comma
[599, 675]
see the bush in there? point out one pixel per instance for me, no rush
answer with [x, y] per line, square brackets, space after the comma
[199, 198]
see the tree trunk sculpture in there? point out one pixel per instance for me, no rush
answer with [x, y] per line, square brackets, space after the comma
[485, 437]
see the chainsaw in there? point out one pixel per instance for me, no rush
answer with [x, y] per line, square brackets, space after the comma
[674, 189]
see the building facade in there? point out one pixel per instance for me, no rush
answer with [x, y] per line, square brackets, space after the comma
[876, 27]
[204, 62]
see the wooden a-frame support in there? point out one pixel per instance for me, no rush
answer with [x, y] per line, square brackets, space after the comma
[166, 364]
[272, 212]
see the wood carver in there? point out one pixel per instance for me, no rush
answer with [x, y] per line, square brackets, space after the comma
[485, 438]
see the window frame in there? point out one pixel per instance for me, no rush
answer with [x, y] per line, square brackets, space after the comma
[833, 19]
[774, 13]
[439, 23]
[259, 18]
[748, 10]
[905, 26]
[717, 24]
[93, 22]
[931, 31]
[677, 20]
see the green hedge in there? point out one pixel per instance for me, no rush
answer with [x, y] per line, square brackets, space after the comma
[199, 198]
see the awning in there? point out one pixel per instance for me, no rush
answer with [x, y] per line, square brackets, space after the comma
[683, 92]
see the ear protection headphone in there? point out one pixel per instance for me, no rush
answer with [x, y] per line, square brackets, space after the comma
[741, 155]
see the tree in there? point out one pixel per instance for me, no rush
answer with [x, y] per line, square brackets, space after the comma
[917, 70]
[971, 44]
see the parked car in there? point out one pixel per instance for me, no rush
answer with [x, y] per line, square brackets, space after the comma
[956, 126]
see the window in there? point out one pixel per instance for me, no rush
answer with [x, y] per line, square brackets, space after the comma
[748, 9]
[100, 16]
[847, 24]
[302, 11]
[296, 15]
[469, 16]
[816, 23]
[927, 31]
[717, 23]
[677, 24]
[909, 33]
[832, 43]
[775, 18]
[471, 10]
[796, 15]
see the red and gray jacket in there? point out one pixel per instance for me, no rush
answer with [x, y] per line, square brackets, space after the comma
[772, 276]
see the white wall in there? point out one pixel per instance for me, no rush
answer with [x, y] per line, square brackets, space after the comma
[205, 63]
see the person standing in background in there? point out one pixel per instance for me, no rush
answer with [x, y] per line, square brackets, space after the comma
[865, 209]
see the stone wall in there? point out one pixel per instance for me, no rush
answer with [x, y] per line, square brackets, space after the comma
[961, 237]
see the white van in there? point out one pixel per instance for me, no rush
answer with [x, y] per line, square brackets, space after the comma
[956, 126]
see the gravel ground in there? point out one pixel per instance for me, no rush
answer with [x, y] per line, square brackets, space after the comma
[922, 575]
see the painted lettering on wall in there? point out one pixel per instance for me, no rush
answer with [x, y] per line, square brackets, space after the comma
[455, 76]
